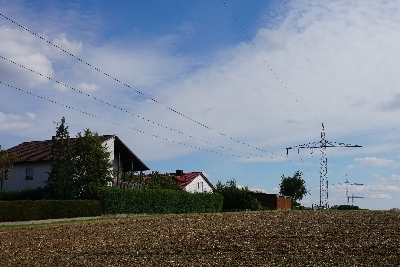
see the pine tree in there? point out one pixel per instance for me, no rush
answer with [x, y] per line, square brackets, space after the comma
[61, 183]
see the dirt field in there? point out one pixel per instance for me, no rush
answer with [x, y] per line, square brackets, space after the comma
[273, 238]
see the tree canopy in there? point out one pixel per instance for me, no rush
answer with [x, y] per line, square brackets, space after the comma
[293, 187]
[235, 197]
[76, 170]
[61, 177]
[93, 167]
[161, 181]
[6, 162]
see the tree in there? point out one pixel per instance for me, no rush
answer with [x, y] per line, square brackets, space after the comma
[161, 181]
[293, 187]
[60, 183]
[6, 162]
[235, 197]
[93, 167]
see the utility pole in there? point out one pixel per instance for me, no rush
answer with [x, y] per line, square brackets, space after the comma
[352, 199]
[323, 174]
[347, 191]
[347, 183]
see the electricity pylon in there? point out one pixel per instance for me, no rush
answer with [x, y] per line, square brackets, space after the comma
[347, 183]
[323, 174]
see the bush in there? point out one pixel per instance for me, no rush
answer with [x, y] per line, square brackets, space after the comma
[39, 193]
[347, 207]
[157, 201]
[236, 198]
[26, 210]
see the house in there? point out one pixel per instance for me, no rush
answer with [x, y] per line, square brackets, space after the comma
[273, 201]
[33, 164]
[193, 182]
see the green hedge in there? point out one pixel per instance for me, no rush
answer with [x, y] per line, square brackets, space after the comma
[157, 201]
[26, 210]
[39, 193]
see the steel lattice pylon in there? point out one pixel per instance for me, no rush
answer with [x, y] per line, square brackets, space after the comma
[323, 173]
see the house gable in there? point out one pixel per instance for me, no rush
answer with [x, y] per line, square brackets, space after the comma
[35, 156]
[193, 181]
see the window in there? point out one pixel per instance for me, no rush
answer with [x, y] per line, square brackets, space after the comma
[29, 174]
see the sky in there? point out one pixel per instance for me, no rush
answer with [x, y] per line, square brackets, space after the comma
[222, 86]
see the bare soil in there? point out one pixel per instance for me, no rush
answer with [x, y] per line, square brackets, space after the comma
[270, 238]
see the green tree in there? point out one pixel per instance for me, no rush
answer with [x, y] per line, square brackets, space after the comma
[93, 167]
[60, 183]
[293, 187]
[161, 181]
[235, 197]
[6, 162]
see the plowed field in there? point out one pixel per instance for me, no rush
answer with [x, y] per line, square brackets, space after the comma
[273, 238]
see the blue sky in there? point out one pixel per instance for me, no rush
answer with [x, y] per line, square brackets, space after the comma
[263, 73]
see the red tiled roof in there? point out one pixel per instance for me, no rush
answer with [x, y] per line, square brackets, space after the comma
[40, 150]
[185, 179]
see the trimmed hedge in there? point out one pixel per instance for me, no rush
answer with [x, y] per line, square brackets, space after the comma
[39, 193]
[26, 210]
[157, 201]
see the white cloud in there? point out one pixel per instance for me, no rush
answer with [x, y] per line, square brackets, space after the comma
[31, 115]
[87, 87]
[72, 47]
[379, 196]
[393, 178]
[379, 187]
[15, 122]
[376, 162]
[60, 87]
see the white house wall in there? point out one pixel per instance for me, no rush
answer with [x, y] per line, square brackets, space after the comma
[110, 148]
[198, 185]
[18, 180]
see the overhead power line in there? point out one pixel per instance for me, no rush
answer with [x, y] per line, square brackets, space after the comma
[98, 117]
[137, 91]
[128, 112]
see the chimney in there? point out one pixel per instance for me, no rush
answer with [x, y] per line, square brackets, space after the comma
[54, 138]
[179, 173]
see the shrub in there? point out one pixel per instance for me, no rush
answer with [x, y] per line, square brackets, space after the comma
[236, 198]
[157, 201]
[39, 193]
[26, 210]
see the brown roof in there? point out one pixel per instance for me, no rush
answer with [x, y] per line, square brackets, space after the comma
[40, 150]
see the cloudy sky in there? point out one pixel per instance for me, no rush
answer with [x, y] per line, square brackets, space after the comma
[222, 87]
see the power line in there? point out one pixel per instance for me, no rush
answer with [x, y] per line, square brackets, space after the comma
[126, 111]
[137, 91]
[140, 131]
[98, 117]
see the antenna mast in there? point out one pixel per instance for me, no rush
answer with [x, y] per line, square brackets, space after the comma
[323, 173]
